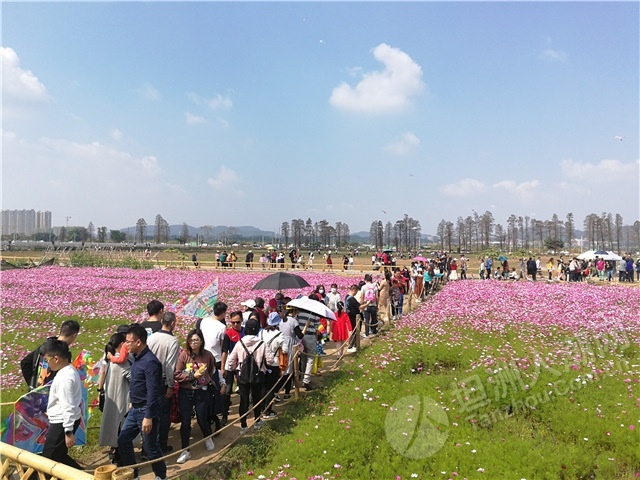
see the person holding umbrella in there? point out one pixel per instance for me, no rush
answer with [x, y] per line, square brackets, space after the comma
[308, 316]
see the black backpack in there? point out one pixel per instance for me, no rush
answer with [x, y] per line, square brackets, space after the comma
[250, 373]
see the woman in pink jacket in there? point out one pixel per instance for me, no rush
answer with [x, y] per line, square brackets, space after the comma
[263, 356]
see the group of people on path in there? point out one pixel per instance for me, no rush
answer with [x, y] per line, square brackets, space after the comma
[144, 366]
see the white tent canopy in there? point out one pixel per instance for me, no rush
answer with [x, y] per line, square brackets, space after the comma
[592, 254]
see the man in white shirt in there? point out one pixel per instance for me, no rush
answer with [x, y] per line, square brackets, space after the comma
[213, 329]
[63, 409]
[166, 347]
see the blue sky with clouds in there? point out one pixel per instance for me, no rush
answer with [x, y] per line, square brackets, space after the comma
[257, 113]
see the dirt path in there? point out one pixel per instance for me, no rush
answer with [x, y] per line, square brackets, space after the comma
[200, 457]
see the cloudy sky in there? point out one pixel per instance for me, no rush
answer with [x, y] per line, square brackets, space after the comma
[257, 113]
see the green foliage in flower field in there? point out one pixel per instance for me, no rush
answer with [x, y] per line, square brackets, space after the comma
[555, 420]
[86, 258]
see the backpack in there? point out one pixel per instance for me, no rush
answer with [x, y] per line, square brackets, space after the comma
[250, 373]
[370, 293]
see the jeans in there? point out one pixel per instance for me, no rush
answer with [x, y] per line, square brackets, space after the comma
[150, 443]
[256, 395]
[371, 319]
[187, 399]
[164, 422]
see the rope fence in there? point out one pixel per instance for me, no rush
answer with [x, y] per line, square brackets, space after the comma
[25, 463]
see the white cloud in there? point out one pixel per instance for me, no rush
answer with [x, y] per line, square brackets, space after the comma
[20, 86]
[149, 92]
[150, 165]
[226, 180]
[96, 159]
[521, 190]
[606, 171]
[116, 134]
[192, 119]
[409, 143]
[463, 188]
[382, 91]
[551, 54]
[91, 180]
[218, 102]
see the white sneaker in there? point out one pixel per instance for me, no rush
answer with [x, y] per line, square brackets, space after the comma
[184, 456]
[208, 443]
[244, 430]
[352, 350]
[258, 425]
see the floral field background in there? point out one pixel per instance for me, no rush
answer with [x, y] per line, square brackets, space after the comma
[485, 379]
[35, 302]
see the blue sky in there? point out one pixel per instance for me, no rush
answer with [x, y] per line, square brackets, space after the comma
[257, 113]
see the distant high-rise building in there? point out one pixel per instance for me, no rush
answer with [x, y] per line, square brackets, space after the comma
[25, 222]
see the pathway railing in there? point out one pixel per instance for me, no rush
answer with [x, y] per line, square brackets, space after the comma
[20, 464]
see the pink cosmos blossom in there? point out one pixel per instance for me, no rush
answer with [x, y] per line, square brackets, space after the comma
[35, 301]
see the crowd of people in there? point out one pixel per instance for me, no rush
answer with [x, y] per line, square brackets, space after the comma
[150, 379]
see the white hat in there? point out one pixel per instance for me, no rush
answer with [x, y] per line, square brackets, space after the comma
[249, 303]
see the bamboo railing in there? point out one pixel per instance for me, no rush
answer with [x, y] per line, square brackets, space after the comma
[20, 464]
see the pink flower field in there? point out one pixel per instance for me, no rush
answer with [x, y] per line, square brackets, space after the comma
[36, 301]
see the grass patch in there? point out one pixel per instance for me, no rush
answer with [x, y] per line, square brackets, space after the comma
[559, 421]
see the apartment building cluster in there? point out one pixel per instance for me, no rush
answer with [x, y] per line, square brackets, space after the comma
[25, 222]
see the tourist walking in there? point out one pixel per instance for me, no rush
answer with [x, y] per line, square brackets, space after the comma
[145, 393]
[196, 374]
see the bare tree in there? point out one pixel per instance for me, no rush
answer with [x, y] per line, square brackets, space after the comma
[91, 231]
[141, 230]
[207, 232]
[388, 231]
[284, 231]
[500, 234]
[162, 229]
[441, 232]
[512, 232]
[297, 231]
[619, 225]
[569, 228]
[102, 234]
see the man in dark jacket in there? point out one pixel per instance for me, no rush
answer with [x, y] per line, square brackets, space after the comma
[34, 368]
[146, 390]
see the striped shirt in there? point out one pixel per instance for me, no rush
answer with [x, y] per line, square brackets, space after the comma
[314, 322]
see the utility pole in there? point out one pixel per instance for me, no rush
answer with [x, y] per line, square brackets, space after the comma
[68, 218]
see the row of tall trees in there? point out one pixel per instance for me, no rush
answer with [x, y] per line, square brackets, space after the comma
[300, 232]
[477, 231]
[403, 234]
